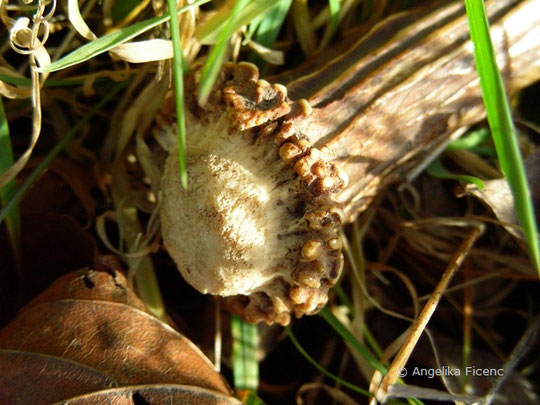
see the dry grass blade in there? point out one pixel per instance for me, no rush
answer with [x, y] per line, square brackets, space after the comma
[410, 391]
[421, 322]
[500, 120]
[302, 24]
[215, 59]
[144, 51]
[75, 17]
[25, 41]
[109, 41]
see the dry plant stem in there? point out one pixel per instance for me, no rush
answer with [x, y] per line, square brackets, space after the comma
[421, 322]
[270, 175]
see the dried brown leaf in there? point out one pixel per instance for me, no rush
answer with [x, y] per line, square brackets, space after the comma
[90, 284]
[92, 318]
[52, 378]
[127, 344]
[497, 195]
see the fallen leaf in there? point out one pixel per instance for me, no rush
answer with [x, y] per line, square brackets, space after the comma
[94, 319]
[90, 284]
[51, 378]
[497, 195]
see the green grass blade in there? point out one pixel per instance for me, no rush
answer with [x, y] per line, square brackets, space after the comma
[107, 42]
[370, 339]
[34, 175]
[210, 31]
[437, 170]
[321, 368]
[244, 354]
[501, 124]
[252, 399]
[178, 76]
[335, 377]
[336, 324]
[23, 81]
[473, 142]
[470, 141]
[271, 23]
[334, 14]
[215, 59]
[340, 292]
[266, 28]
[13, 220]
[329, 317]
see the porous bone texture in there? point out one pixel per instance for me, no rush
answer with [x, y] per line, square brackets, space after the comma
[257, 224]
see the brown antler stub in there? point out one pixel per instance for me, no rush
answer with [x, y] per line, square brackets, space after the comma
[257, 224]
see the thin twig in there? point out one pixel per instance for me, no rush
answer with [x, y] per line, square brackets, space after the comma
[421, 322]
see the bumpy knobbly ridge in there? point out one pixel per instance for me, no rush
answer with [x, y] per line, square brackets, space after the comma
[258, 224]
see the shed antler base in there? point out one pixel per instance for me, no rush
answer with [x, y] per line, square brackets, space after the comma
[258, 211]
[268, 176]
